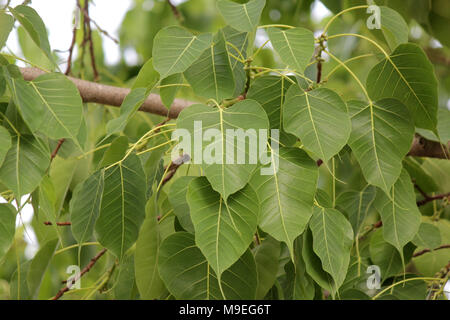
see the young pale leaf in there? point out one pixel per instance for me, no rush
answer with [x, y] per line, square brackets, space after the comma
[428, 236]
[270, 92]
[25, 165]
[211, 75]
[223, 228]
[123, 206]
[35, 27]
[39, 265]
[6, 25]
[188, 275]
[242, 17]
[319, 118]
[381, 136]
[267, 255]
[332, 241]
[222, 158]
[85, 206]
[148, 281]
[175, 49]
[407, 75]
[177, 198]
[356, 205]
[169, 89]
[399, 212]
[287, 195]
[5, 143]
[294, 46]
[7, 227]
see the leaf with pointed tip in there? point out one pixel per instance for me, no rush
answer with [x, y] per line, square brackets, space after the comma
[221, 159]
[394, 29]
[319, 118]
[399, 212]
[294, 46]
[177, 198]
[122, 208]
[39, 265]
[356, 205]
[239, 41]
[407, 75]
[85, 206]
[266, 257]
[428, 236]
[6, 25]
[242, 17]
[175, 49]
[287, 195]
[211, 75]
[5, 143]
[7, 227]
[223, 229]
[381, 137]
[25, 165]
[148, 280]
[332, 241]
[188, 275]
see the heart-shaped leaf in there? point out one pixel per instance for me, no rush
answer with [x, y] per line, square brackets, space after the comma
[242, 17]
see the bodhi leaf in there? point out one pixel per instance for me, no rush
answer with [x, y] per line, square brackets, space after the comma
[287, 195]
[229, 159]
[169, 89]
[394, 28]
[266, 257]
[223, 229]
[188, 275]
[294, 46]
[7, 227]
[243, 17]
[85, 206]
[39, 265]
[407, 75]
[25, 165]
[319, 118]
[356, 205]
[381, 136]
[6, 25]
[332, 241]
[177, 198]
[115, 152]
[148, 281]
[123, 206]
[428, 236]
[175, 49]
[5, 143]
[399, 212]
[211, 75]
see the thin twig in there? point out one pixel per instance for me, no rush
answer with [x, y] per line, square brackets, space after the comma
[419, 253]
[59, 224]
[428, 198]
[58, 146]
[175, 11]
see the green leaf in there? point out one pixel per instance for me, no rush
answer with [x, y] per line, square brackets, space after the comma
[39, 265]
[332, 241]
[85, 206]
[242, 17]
[407, 75]
[5, 143]
[122, 208]
[6, 25]
[223, 228]
[211, 75]
[148, 281]
[25, 165]
[168, 93]
[147, 76]
[386, 256]
[319, 118]
[115, 152]
[294, 46]
[428, 236]
[175, 49]
[7, 227]
[225, 175]
[124, 286]
[188, 275]
[177, 198]
[381, 136]
[393, 27]
[270, 92]
[18, 288]
[266, 257]
[287, 196]
[399, 212]
[356, 205]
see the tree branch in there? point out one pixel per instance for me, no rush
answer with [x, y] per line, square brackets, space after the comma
[419, 253]
[114, 96]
